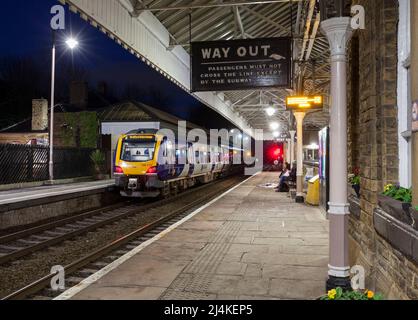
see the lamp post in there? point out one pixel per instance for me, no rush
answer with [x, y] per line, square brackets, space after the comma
[301, 105]
[72, 44]
[299, 156]
[292, 146]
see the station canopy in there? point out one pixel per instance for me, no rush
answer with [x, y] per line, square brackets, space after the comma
[203, 20]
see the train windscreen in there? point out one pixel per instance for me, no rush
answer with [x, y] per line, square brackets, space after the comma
[137, 150]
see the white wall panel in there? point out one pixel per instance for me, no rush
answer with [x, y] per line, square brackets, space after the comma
[148, 38]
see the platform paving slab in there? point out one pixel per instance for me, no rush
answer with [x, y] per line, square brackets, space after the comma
[251, 244]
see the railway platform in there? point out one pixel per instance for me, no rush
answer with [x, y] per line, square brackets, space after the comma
[41, 192]
[249, 243]
[25, 206]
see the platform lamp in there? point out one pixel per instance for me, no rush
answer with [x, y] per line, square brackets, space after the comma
[300, 105]
[71, 43]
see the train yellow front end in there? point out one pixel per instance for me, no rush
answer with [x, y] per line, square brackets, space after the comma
[135, 167]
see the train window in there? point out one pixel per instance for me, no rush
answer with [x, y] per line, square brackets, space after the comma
[137, 151]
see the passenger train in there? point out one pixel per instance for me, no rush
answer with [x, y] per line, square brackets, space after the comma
[146, 164]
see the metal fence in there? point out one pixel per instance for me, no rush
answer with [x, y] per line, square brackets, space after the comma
[26, 163]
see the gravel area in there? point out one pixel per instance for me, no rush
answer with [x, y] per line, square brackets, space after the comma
[24, 271]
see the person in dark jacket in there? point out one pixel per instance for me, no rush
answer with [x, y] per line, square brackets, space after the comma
[284, 175]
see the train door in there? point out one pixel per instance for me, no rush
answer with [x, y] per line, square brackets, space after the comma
[197, 159]
[182, 165]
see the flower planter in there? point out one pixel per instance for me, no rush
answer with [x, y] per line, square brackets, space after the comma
[400, 235]
[356, 188]
[395, 208]
[414, 216]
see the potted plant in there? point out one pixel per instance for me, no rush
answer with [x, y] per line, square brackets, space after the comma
[396, 201]
[98, 159]
[354, 180]
[340, 294]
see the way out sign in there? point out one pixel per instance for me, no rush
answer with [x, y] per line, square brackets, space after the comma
[241, 64]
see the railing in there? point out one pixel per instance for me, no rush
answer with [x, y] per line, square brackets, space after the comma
[26, 163]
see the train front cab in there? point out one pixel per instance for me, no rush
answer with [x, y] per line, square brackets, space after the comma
[136, 165]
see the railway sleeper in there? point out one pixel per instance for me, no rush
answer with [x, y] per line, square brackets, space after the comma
[85, 273]
[27, 242]
[54, 233]
[9, 249]
[41, 298]
[65, 229]
[100, 264]
[42, 238]
[110, 259]
[74, 280]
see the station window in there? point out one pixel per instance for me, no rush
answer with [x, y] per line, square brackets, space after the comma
[404, 97]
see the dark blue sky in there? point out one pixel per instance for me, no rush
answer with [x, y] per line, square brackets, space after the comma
[26, 32]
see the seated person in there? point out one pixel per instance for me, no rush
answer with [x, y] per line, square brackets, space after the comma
[284, 176]
[292, 176]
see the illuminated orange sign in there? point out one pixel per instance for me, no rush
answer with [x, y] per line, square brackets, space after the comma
[301, 102]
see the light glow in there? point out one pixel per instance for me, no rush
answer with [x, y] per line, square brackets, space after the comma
[71, 43]
[274, 126]
[270, 111]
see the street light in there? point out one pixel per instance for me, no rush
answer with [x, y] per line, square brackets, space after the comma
[274, 126]
[300, 106]
[72, 44]
[270, 111]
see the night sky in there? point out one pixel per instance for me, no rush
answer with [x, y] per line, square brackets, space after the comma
[25, 26]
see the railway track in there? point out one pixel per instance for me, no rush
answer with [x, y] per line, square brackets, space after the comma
[96, 260]
[26, 242]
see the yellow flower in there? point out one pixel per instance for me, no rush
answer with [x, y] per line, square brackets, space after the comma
[388, 187]
[332, 293]
[370, 294]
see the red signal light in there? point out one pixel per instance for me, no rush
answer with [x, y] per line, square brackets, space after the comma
[152, 170]
[118, 170]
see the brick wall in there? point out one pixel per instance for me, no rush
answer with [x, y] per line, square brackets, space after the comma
[39, 115]
[373, 145]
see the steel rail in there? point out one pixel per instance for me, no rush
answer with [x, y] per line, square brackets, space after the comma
[57, 223]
